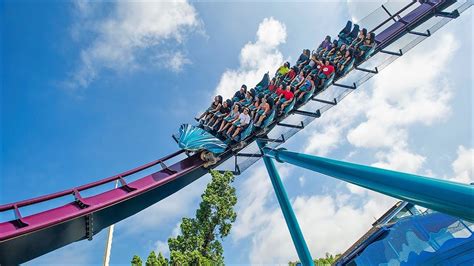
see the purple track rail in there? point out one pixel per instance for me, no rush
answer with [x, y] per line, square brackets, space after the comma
[26, 236]
[16, 205]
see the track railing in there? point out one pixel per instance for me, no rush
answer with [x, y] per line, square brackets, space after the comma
[74, 191]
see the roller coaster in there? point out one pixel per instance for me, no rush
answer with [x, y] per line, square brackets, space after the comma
[398, 27]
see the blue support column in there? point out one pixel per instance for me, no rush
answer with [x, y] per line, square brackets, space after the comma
[288, 213]
[440, 195]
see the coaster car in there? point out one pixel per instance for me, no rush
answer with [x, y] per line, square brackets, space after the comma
[194, 139]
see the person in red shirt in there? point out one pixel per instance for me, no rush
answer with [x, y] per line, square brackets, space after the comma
[272, 87]
[291, 75]
[286, 98]
[325, 72]
[279, 91]
[327, 69]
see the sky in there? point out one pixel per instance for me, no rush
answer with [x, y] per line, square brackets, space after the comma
[90, 89]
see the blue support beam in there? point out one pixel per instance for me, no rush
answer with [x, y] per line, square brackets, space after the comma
[288, 213]
[440, 195]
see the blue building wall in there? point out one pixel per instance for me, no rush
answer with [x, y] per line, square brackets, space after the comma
[407, 238]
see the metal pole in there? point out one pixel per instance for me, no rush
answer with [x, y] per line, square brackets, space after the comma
[440, 195]
[108, 244]
[288, 213]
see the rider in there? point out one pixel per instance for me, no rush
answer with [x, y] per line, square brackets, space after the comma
[216, 104]
[325, 72]
[264, 110]
[217, 117]
[230, 118]
[240, 94]
[241, 123]
[286, 99]
[305, 87]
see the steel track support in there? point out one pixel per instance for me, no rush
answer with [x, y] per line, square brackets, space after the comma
[250, 155]
[453, 15]
[444, 196]
[288, 213]
[300, 126]
[352, 87]
[424, 34]
[375, 71]
[399, 53]
[333, 102]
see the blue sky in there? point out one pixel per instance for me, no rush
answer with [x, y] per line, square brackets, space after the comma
[92, 89]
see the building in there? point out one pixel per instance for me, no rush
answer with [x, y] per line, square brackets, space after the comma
[404, 235]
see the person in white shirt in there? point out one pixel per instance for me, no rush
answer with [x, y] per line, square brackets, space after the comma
[241, 123]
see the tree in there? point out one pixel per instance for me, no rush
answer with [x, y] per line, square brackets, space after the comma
[153, 260]
[136, 261]
[199, 241]
[327, 261]
[162, 261]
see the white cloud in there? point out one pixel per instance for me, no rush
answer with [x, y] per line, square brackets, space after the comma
[174, 61]
[256, 58]
[253, 196]
[162, 246]
[376, 134]
[178, 61]
[131, 32]
[403, 96]
[327, 134]
[400, 159]
[323, 142]
[463, 166]
[356, 189]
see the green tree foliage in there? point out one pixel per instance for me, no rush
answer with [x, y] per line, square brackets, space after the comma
[136, 261]
[162, 261]
[327, 261]
[153, 260]
[199, 241]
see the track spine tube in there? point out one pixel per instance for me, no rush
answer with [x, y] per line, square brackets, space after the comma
[445, 196]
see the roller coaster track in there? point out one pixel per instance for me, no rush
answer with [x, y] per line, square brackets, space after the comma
[27, 237]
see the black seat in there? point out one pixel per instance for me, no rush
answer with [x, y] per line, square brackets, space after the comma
[347, 29]
[364, 31]
[354, 32]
